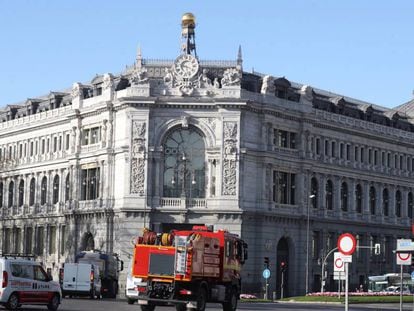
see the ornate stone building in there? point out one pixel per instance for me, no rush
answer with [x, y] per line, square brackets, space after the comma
[168, 144]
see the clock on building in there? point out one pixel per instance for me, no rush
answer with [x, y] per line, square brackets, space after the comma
[186, 66]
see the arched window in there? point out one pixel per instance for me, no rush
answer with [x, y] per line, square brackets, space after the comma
[329, 194]
[344, 196]
[314, 192]
[11, 194]
[67, 187]
[43, 191]
[1, 194]
[385, 202]
[398, 203]
[56, 189]
[410, 203]
[184, 164]
[21, 192]
[32, 192]
[358, 198]
[372, 200]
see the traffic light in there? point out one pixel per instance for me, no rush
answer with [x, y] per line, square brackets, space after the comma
[283, 266]
[266, 262]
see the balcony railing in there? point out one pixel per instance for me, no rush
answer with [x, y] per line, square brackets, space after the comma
[183, 203]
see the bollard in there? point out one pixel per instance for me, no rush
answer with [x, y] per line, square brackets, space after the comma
[274, 296]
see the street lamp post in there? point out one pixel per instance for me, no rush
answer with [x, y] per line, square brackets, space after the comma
[307, 245]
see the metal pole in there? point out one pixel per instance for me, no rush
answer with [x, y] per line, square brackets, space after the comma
[281, 286]
[401, 287]
[346, 286]
[323, 268]
[307, 252]
[307, 244]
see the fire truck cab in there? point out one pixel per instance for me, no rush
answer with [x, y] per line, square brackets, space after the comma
[188, 268]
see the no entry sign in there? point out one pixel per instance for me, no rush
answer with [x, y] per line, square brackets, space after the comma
[346, 244]
[404, 259]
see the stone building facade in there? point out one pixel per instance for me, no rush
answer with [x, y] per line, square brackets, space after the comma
[172, 143]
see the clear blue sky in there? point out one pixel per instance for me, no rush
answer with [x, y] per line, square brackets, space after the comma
[361, 49]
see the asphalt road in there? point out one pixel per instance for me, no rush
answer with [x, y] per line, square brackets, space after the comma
[80, 304]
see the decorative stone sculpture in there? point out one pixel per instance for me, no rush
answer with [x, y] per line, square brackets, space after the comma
[77, 90]
[231, 77]
[307, 93]
[139, 77]
[108, 82]
[229, 161]
[138, 158]
[268, 86]
[203, 80]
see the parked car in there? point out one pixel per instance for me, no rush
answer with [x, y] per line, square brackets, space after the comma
[24, 281]
[81, 279]
[131, 292]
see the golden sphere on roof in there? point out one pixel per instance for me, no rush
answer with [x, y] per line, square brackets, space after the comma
[188, 19]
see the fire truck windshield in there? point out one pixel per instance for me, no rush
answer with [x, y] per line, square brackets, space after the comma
[161, 264]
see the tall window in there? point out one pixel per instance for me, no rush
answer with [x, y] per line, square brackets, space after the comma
[410, 205]
[329, 194]
[1, 194]
[344, 196]
[284, 183]
[11, 194]
[67, 187]
[21, 192]
[372, 200]
[385, 202]
[56, 189]
[314, 191]
[52, 240]
[184, 164]
[398, 203]
[91, 136]
[32, 192]
[90, 184]
[28, 238]
[43, 191]
[40, 241]
[358, 198]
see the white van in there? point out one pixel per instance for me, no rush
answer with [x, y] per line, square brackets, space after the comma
[81, 279]
[24, 281]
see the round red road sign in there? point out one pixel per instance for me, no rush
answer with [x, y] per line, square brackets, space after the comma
[339, 263]
[346, 244]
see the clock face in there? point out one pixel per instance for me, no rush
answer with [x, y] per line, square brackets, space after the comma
[186, 66]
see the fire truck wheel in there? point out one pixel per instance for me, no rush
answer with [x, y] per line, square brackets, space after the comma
[181, 307]
[148, 307]
[231, 304]
[202, 299]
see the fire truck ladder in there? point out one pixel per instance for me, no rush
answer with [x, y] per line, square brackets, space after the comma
[180, 255]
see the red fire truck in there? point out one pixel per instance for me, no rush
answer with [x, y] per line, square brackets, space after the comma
[188, 268]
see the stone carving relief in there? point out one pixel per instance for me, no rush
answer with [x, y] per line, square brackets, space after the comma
[229, 161]
[138, 157]
[77, 90]
[307, 93]
[268, 86]
[187, 76]
[231, 77]
[108, 82]
[139, 77]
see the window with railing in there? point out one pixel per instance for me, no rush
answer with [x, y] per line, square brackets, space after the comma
[329, 195]
[358, 198]
[56, 181]
[385, 202]
[43, 191]
[90, 184]
[284, 187]
[91, 136]
[184, 163]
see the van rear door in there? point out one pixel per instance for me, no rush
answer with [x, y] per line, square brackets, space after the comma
[84, 277]
[70, 276]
